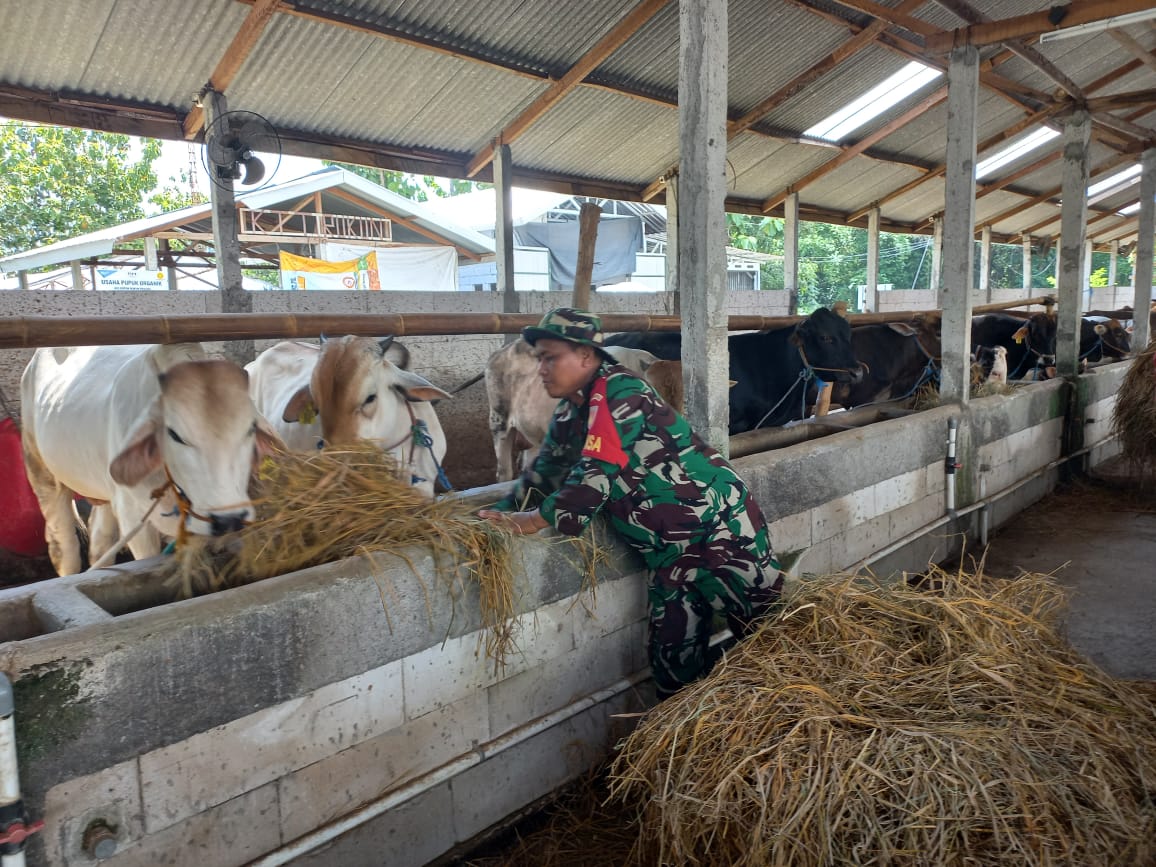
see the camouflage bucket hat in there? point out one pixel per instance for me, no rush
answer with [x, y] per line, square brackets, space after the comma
[570, 324]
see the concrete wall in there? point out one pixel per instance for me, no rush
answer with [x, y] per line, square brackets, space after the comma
[447, 361]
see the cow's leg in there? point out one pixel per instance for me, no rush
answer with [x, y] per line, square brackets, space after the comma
[60, 519]
[146, 543]
[504, 438]
[103, 532]
[129, 512]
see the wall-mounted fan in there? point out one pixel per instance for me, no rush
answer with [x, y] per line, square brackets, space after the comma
[232, 144]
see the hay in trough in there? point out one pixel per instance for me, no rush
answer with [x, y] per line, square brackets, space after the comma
[1134, 416]
[884, 725]
[329, 505]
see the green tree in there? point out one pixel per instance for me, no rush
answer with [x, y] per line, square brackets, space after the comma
[176, 195]
[58, 182]
[419, 188]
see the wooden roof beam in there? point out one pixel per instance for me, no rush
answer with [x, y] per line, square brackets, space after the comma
[590, 61]
[1137, 50]
[1033, 24]
[853, 151]
[244, 40]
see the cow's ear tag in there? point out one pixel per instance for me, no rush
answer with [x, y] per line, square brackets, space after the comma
[308, 414]
[1019, 338]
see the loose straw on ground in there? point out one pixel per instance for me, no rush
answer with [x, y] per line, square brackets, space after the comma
[883, 725]
[339, 503]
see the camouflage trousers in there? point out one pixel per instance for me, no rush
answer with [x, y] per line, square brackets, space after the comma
[685, 595]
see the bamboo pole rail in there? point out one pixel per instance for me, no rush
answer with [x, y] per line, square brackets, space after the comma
[24, 332]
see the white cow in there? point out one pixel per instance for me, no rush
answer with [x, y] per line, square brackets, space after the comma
[347, 389]
[520, 408]
[116, 423]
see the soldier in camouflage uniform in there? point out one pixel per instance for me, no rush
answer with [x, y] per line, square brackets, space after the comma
[614, 445]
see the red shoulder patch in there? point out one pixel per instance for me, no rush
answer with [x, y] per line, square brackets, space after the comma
[602, 438]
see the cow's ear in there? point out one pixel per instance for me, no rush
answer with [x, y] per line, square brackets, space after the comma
[267, 439]
[416, 387]
[1020, 334]
[902, 328]
[300, 407]
[141, 456]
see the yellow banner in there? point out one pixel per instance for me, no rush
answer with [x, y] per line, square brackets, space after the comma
[301, 272]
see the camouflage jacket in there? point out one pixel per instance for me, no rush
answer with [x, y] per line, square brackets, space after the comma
[623, 449]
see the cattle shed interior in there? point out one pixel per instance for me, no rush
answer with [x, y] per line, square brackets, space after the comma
[334, 714]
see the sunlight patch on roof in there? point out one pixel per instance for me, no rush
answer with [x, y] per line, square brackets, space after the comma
[1014, 151]
[1114, 184]
[874, 102]
[1131, 209]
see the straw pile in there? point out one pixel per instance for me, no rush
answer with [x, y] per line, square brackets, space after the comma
[1134, 417]
[876, 725]
[326, 506]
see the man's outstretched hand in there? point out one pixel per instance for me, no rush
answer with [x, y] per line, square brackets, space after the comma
[521, 523]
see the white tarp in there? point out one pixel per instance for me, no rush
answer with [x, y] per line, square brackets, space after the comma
[425, 269]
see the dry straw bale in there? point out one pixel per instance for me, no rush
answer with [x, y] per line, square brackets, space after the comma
[322, 507]
[1134, 416]
[884, 725]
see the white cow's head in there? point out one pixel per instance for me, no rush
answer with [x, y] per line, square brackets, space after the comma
[204, 429]
[359, 394]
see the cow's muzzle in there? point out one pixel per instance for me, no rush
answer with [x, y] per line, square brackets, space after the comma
[221, 523]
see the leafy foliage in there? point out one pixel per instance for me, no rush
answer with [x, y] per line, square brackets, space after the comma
[419, 188]
[58, 182]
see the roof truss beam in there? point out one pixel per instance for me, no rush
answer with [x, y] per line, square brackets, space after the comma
[1035, 23]
[591, 60]
[244, 40]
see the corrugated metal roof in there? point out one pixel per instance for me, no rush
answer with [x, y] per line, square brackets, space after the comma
[427, 86]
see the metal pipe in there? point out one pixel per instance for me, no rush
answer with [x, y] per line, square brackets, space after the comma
[950, 466]
[24, 332]
[979, 504]
[985, 512]
[14, 824]
[309, 842]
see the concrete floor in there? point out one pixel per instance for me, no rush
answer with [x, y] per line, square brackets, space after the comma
[1098, 537]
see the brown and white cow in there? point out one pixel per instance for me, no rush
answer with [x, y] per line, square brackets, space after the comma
[348, 389]
[520, 409]
[115, 423]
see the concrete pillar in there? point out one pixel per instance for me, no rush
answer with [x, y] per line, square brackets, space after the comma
[226, 246]
[959, 222]
[937, 260]
[22, 276]
[674, 299]
[791, 252]
[1086, 277]
[1142, 300]
[871, 297]
[1113, 259]
[985, 264]
[702, 100]
[1027, 258]
[1073, 229]
[77, 275]
[504, 230]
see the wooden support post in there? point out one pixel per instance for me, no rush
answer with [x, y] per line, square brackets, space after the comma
[702, 101]
[22, 276]
[791, 251]
[77, 275]
[823, 404]
[1027, 260]
[170, 265]
[504, 231]
[1073, 229]
[588, 218]
[985, 264]
[226, 246]
[1113, 269]
[1142, 280]
[871, 297]
[959, 222]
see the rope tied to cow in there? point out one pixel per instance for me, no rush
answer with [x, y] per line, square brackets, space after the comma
[183, 509]
[420, 437]
[804, 375]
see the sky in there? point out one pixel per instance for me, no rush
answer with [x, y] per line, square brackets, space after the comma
[174, 159]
